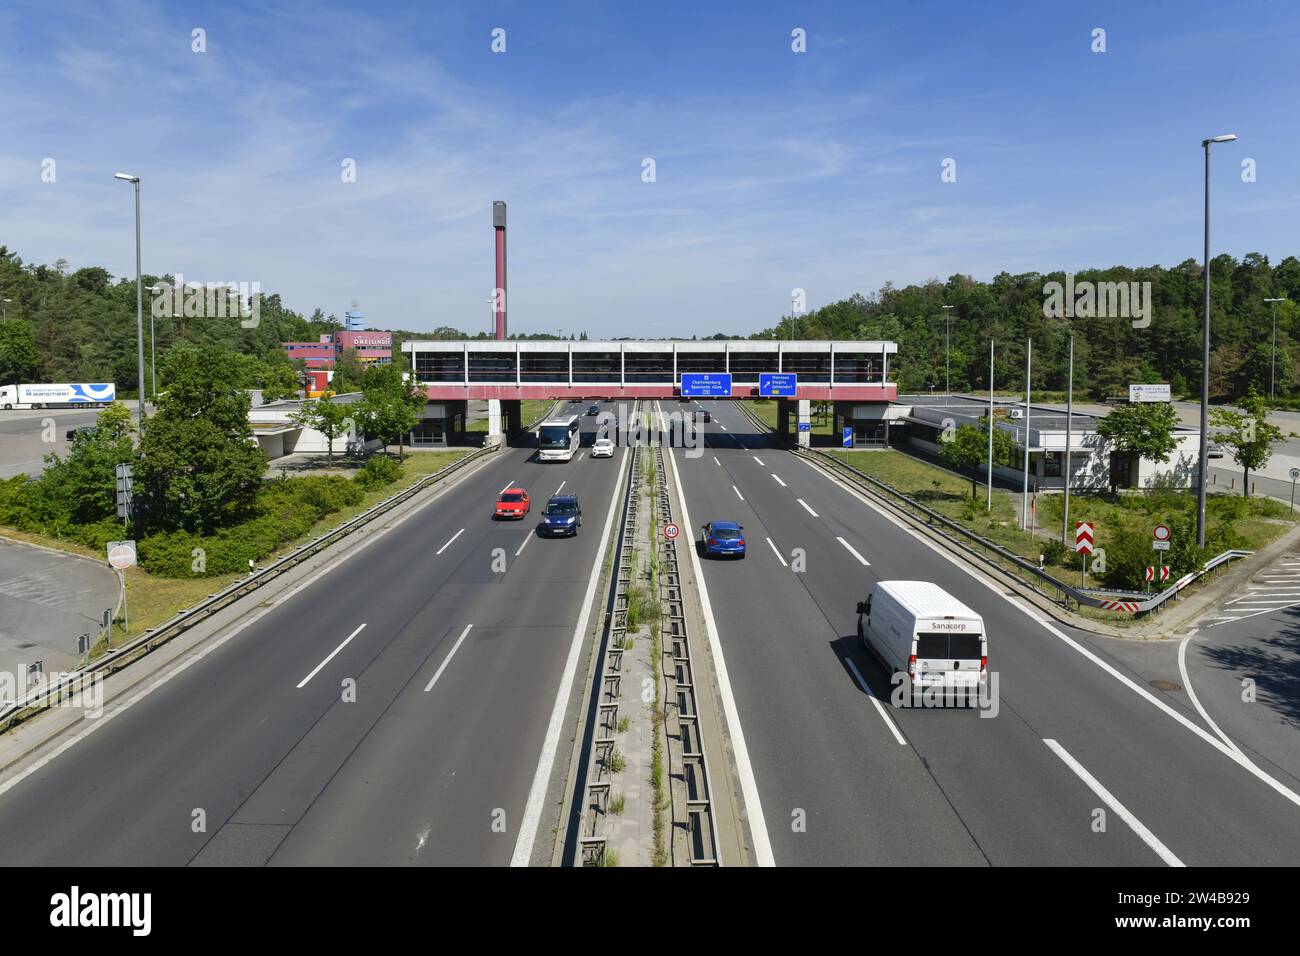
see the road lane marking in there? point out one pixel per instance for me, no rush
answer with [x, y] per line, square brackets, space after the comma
[509, 485]
[448, 544]
[1187, 686]
[199, 652]
[580, 454]
[779, 481]
[777, 553]
[524, 545]
[1136, 825]
[853, 551]
[753, 805]
[724, 427]
[532, 817]
[1267, 610]
[346, 642]
[880, 708]
[759, 460]
[1238, 758]
[447, 660]
[737, 491]
[716, 462]
[807, 509]
[562, 484]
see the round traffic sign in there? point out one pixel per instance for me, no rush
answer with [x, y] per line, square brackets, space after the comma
[1160, 532]
[1295, 474]
[121, 557]
[671, 531]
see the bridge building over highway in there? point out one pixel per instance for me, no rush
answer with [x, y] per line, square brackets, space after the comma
[505, 372]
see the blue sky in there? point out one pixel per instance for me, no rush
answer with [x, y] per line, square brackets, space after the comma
[774, 170]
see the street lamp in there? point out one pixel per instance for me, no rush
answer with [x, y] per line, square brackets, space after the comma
[6, 309]
[139, 293]
[947, 347]
[1205, 351]
[1272, 369]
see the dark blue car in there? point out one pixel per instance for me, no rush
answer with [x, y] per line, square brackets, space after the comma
[561, 516]
[723, 538]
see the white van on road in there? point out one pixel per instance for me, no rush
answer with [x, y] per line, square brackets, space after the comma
[917, 629]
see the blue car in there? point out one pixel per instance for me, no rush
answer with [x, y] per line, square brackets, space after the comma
[561, 516]
[723, 538]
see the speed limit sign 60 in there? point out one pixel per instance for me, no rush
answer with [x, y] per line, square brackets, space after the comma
[671, 531]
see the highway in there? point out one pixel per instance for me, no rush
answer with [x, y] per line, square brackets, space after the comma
[1076, 728]
[456, 668]
[22, 450]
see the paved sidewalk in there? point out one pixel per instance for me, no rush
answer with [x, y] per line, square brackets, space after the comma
[47, 599]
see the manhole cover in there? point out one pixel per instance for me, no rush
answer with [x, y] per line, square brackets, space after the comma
[1165, 685]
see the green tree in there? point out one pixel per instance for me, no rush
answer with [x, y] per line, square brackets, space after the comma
[20, 361]
[390, 406]
[968, 447]
[85, 481]
[200, 468]
[328, 418]
[1247, 433]
[1140, 430]
[278, 378]
[349, 373]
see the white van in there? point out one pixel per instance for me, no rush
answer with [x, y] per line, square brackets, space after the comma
[919, 629]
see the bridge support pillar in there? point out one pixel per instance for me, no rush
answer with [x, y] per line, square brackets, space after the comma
[512, 415]
[494, 436]
[805, 422]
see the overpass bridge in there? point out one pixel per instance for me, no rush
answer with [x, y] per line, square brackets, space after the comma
[506, 372]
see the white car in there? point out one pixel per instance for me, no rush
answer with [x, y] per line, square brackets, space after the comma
[603, 448]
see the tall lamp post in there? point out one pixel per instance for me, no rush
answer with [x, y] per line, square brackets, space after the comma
[6, 309]
[1272, 368]
[139, 292]
[947, 347]
[1205, 353]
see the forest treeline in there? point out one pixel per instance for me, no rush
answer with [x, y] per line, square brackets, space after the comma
[83, 327]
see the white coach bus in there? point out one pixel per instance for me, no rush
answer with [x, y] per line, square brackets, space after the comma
[558, 439]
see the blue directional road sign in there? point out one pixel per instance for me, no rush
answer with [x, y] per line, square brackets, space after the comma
[778, 384]
[847, 440]
[805, 426]
[706, 384]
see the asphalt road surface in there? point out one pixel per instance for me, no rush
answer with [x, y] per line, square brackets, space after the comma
[844, 781]
[456, 668]
[23, 433]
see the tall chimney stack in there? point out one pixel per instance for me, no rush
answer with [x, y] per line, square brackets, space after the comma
[499, 225]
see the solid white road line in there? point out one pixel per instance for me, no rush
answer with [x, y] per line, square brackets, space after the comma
[541, 777]
[759, 460]
[744, 769]
[347, 640]
[448, 544]
[806, 508]
[509, 485]
[1074, 645]
[447, 660]
[1136, 825]
[777, 553]
[1187, 685]
[779, 481]
[562, 484]
[880, 708]
[737, 491]
[853, 551]
[209, 646]
[1267, 610]
[528, 538]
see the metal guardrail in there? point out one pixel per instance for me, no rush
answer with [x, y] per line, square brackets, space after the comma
[692, 766]
[598, 786]
[70, 683]
[994, 554]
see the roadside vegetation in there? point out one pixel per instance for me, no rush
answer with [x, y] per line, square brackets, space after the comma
[1123, 521]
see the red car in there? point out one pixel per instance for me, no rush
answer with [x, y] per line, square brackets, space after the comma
[512, 503]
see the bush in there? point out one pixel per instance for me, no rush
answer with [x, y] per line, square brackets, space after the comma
[1054, 552]
[379, 470]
